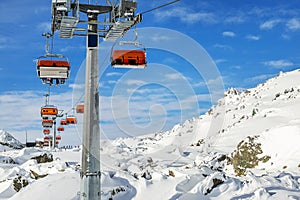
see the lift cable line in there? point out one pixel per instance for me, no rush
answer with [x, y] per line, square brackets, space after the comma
[161, 6]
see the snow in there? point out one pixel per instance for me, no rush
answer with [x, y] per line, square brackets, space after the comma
[56, 186]
[188, 162]
[8, 140]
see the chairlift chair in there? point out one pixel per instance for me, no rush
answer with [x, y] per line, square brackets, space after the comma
[135, 59]
[46, 139]
[71, 119]
[49, 112]
[46, 131]
[47, 123]
[128, 54]
[63, 122]
[53, 67]
[60, 129]
[58, 137]
[80, 108]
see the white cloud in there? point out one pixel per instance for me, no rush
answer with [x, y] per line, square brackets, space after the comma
[279, 63]
[175, 76]
[20, 111]
[199, 84]
[114, 74]
[135, 82]
[286, 36]
[253, 37]
[138, 113]
[238, 19]
[41, 9]
[25, 106]
[215, 87]
[217, 61]
[44, 27]
[187, 15]
[260, 78]
[140, 91]
[236, 67]
[199, 17]
[3, 39]
[72, 48]
[204, 98]
[145, 102]
[159, 38]
[228, 34]
[152, 109]
[222, 46]
[293, 24]
[170, 60]
[112, 82]
[76, 86]
[6, 42]
[269, 24]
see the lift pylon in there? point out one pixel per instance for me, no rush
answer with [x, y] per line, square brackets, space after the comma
[118, 20]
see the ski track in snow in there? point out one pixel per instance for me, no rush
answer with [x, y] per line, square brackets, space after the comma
[185, 163]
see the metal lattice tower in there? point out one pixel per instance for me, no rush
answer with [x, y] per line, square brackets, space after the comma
[118, 17]
[66, 20]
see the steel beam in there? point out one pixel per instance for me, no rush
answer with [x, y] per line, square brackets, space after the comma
[90, 174]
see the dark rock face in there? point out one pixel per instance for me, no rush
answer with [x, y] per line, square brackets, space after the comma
[44, 158]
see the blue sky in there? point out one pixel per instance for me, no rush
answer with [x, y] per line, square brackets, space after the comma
[248, 41]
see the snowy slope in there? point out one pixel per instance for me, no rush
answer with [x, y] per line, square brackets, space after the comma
[192, 150]
[194, 160]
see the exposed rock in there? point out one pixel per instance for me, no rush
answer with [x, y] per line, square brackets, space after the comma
[44, 158]
[246, 155]
[216, 182]
[19, 183]
[36, 175]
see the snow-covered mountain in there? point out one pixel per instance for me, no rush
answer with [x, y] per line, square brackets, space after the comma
[203, 151]
[245, 147]
[7, 139]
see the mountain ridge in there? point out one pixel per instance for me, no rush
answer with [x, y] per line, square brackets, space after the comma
[7, 139]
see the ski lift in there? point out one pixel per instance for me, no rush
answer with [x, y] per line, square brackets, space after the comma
[46, 139]
[62, 7]
[52, 67]
[60, 129]
[71, 119]
[46, 131]
[80, 108]
[128, 59]
[63, 122]
[49, 111]
[58, 137]
[132, 55]
[47, 123]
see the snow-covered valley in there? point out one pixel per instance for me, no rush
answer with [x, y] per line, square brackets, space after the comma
[244, 147]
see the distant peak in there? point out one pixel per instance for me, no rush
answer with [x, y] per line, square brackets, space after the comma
[7, 139]
[232, 91]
